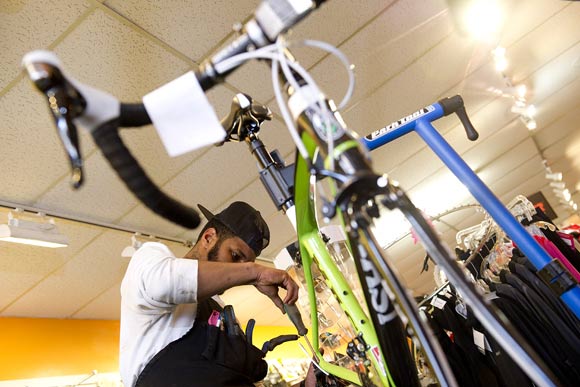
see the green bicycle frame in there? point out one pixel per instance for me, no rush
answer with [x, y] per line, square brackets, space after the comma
[313, 249]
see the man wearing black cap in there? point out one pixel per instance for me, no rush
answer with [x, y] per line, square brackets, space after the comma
[168, 336]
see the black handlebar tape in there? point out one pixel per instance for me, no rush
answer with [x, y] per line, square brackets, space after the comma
[296, 318]
[133, 115]
[128, 169]
[455, 105]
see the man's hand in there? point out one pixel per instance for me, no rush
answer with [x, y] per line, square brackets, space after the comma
[268, 281]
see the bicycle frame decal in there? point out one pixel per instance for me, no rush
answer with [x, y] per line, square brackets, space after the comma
[320, 126]
[376, 353]
[394, 125]
[380, 299]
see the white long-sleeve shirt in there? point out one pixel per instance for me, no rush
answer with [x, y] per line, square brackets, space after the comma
[158, 306]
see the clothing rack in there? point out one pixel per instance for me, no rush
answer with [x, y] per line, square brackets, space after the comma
[436, 218]
[436, 292]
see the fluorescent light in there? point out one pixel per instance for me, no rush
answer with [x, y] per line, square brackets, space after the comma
[556, 176]
[558, 184]
[565, 194]
[32, 233]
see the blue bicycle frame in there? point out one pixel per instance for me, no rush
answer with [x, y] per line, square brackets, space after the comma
[549, 269]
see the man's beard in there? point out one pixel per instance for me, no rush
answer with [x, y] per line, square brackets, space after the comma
[212, 255]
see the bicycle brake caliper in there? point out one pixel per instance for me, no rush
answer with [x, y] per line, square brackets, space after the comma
[356, 349]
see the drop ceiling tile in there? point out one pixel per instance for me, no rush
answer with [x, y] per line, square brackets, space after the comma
[384, 47]
[523, 16]
[103, 197]
[516, 177]
[554, 113]
[255, 194]
[94, 270]
[32, 155]
[568, 147]
[191, 28]
[495, 146]
[398, 98]
[213, 178]
[336, 21]
[551, 38]
[561, 132]
[26, 26]
[389, 156]
[319, 25]
[504, 164]
[528, 181]
[23, 266]
[108, 54]
[146, 222]
[439, 192]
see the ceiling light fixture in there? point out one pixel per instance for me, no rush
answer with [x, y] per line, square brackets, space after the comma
[137, 241]
[521, 108]
[44, 233]
[554, 176]
[559, 187]
[530, 123]
[499, 59]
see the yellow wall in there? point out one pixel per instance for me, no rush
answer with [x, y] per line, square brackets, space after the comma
[35, 348]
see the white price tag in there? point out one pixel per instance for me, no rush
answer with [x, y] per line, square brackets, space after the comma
[438, 302]
[182, 115]
[480, 341]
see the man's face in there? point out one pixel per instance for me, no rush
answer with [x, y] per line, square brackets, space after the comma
[231, 250]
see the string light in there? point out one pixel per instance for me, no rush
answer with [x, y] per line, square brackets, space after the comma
[527, 112]
[559, 187]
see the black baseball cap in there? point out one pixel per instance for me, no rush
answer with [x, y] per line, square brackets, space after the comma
[245, 222]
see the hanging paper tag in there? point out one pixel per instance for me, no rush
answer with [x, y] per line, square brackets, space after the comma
[480, 341]
[461, 310]
[438, 302]
[182, 115]
[491, 296]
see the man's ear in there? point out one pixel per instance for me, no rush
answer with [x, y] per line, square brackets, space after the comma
[209, 238]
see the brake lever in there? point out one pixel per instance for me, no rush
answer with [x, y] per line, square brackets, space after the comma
[65, 103]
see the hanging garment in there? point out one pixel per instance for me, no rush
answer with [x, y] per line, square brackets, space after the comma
[544, 340]
[556, 305]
